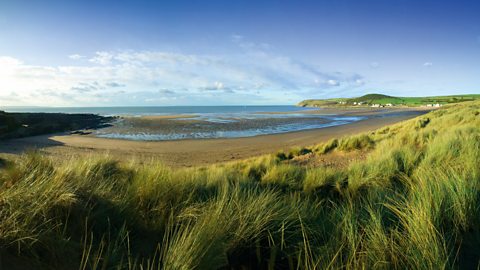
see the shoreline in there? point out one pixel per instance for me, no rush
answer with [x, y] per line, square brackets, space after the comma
[184, 127]
[191, 152]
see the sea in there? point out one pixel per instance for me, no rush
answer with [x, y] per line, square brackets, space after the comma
[160, 110]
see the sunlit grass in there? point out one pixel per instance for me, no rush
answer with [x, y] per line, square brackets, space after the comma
[413, 203]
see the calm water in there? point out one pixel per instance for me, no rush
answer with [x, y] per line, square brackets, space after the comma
[166, 110]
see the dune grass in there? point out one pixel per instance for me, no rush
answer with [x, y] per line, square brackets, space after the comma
[413, 203]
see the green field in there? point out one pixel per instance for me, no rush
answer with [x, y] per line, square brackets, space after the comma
[412, 202]
[370, 99]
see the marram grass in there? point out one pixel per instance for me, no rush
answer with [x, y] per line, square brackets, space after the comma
[413, 203]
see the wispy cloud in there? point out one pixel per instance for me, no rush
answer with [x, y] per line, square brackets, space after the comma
[427, 64]
[374, 65]
[166, 92]
[102, 58]
[84, 87]
[76, 56]
[253, 74]
[114, 84]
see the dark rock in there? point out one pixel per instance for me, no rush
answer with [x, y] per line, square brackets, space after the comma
[16, 125]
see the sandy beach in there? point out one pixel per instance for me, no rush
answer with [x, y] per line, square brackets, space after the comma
[190, 152]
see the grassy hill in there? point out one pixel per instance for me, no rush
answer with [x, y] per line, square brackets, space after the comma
[410, 201]
[370, 99]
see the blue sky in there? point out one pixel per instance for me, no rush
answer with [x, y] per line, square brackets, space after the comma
[111, 53]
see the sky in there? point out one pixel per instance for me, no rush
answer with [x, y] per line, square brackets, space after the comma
[235, 52]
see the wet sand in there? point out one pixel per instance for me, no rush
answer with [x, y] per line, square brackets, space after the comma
[215, 126]
[195, 152]
[163, 117]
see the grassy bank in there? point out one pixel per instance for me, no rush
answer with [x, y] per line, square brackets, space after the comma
[380, 99]
[412, 203]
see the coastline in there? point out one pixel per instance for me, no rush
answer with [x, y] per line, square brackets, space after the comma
[190, 152]
[219, 125]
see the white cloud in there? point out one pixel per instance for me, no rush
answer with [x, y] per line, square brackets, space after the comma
[254, 74]
[76, 56]
[333, 83]
[102, 58]
[359, 82]
[8, 62]
[427, 64]
[213, 87]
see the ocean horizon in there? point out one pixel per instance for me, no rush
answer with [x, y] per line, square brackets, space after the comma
[158, 110]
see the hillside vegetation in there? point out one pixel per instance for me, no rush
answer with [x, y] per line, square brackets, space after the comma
[412, 203]
[371, 99]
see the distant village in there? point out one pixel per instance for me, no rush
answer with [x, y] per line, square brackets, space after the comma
[364, 103]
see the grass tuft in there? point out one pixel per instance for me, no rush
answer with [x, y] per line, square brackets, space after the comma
[360, 142]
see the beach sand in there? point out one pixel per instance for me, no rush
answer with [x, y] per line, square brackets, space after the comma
[186, 153]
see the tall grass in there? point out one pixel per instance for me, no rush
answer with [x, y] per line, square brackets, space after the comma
[413, 203]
